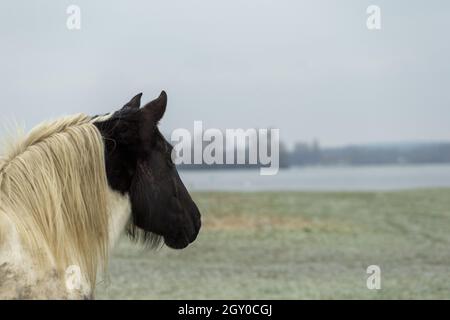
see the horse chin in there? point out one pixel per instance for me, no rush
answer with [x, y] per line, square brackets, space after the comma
[177, 244]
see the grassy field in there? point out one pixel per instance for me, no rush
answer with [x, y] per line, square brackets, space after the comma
[298, 246]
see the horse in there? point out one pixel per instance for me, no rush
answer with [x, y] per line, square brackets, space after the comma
[70, 187]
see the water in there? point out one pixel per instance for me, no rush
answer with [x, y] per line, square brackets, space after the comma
[322, 179]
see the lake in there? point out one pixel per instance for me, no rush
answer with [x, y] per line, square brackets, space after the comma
[363, 178]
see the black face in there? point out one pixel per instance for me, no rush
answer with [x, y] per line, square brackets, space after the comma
[138, 163]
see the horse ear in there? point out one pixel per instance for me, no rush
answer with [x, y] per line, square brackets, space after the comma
[155, 109]
[135, 102]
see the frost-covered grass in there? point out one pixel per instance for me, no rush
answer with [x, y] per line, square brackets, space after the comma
[287, 245]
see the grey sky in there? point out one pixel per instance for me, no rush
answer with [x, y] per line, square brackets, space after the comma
[310, 68]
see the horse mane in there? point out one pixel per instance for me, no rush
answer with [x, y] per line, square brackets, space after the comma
[53, 187]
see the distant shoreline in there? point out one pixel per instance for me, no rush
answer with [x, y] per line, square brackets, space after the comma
[322, 178]
[311, 166]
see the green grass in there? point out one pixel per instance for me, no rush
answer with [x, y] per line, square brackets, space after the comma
[288, 245]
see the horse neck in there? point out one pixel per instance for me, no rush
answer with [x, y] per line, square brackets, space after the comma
[120, 214]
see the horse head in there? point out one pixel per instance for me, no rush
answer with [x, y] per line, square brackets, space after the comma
[139, 164]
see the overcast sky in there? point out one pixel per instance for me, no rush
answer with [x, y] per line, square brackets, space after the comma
[310, 68]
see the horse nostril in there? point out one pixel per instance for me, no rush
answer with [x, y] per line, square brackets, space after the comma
[193, 236]
[197, 217]
[196, 223]
[199, 224]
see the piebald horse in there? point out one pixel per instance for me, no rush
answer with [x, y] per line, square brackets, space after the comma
[70, 187]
